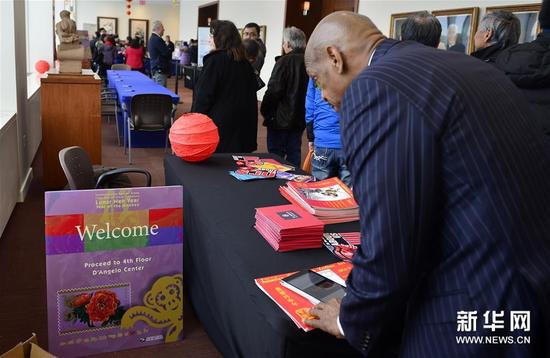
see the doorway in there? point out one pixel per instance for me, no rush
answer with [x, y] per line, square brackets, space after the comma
[296, 15]
[208, 13]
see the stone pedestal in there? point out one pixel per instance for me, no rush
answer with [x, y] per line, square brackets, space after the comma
[70, 58]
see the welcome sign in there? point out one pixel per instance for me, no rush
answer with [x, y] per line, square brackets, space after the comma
[114, 260]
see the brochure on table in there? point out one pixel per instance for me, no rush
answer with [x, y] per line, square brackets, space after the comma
[114, 260]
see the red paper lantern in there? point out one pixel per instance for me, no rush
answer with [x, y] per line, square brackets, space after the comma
[128, 13]
[194, 137]
[129, 6]
[42, 66]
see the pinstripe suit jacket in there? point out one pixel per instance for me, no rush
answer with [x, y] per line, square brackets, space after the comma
[453, 182]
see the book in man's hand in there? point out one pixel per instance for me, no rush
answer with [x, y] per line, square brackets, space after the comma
[330, 200]
[295, 306]
[289, 227]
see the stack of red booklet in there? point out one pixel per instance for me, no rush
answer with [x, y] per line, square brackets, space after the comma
[330, 200]
[289, 227]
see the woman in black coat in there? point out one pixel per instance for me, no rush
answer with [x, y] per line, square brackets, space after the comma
[226, 90]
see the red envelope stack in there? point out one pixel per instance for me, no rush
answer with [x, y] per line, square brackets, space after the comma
[289, 228]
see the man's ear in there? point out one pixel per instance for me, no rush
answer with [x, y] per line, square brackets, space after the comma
[488, 35]
[336, 59]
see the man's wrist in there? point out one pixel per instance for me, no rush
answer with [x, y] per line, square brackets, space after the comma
[340, 326]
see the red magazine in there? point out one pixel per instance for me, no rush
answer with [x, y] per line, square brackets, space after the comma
[267, 173]
[295, 306]
[289, 228]
[330, 200]
[328, 194]
[342, 245]
[288, 217]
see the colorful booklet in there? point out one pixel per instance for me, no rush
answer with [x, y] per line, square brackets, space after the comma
[331, 200]
[266, 173]
[292, 304]
[243, 161]
[342, 245]
[114, 261]
[246, 177]
[294, 177]
[266, 163]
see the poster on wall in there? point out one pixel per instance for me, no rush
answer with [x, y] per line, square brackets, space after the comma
[458, 27]
[204, 43]
[114, 260]
[139, 28]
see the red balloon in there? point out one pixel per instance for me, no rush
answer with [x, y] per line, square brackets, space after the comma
[42, 66]
[194, 137]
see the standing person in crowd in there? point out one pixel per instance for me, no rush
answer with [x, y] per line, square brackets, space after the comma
[226, 90]
[422, 27]
[170, 44]
[93, 48]
[185, 59]
[451, 178]
[99, 43]
[251, 31]
[172, 48]
[108, 55]
[528, 66]
[160, 54]
[193, 51]
[497, 31]
[283, 105]
[134, 55]
[323, 132]
[251, 52]
[120, 50]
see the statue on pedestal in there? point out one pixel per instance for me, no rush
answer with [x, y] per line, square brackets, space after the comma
[66, 29]
[70, 51]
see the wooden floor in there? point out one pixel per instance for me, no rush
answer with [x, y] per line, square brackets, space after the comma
[22, 256]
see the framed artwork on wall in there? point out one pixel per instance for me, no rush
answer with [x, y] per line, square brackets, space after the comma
[458, 27]
[528, 15]
[396, 21]
[110, 24]
[263, 33]
[139, 28]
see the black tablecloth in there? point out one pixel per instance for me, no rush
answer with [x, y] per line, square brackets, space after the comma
[223, 254]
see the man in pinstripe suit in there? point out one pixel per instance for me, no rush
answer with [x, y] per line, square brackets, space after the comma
[453, 184]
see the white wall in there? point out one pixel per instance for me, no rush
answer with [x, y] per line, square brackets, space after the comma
[9, 175]
[189, 18]
[166, 11]
[380, 11]
[270, 13]
[8, 99]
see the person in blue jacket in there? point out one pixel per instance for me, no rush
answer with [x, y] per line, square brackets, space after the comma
[323, 131]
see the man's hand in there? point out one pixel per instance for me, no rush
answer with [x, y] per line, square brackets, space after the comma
[327, 314]
[310, 146]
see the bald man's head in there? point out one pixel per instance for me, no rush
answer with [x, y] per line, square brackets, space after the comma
[338, 50]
